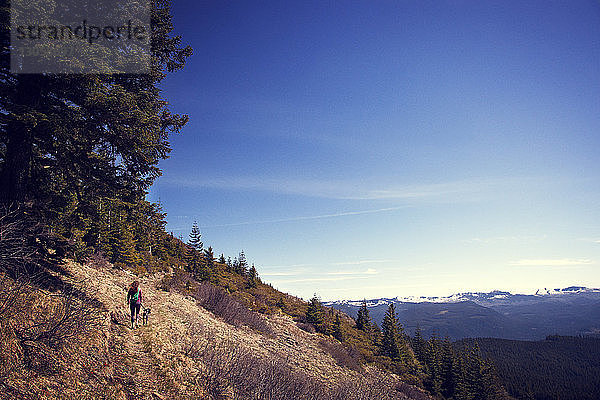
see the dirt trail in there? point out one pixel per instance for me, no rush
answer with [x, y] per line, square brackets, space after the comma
[146, 360]
[152, 362]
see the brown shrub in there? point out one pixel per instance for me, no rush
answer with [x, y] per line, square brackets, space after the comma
[231, 371]
[180, 281]
[41, 332]
[345, 356]
[215, 300]
[310, 328]
[220, 303]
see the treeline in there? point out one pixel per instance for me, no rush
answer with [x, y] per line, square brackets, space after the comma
[560, 367]
[462, 374]
[79, 152]
[434, 363]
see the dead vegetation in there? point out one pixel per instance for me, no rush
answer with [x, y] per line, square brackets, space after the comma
[231, 371]
[216, 300]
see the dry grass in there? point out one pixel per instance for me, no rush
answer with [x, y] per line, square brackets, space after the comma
[199, 344]
[216, 300]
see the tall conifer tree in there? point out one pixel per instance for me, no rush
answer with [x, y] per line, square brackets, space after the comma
[195, 249]
[363, 319]
[70, 140]
[393, 342]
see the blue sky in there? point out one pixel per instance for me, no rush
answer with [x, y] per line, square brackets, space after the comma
[378, 149]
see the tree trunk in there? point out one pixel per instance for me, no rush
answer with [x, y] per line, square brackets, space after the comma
[16, 171]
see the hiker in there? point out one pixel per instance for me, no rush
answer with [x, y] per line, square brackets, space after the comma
[134, 299]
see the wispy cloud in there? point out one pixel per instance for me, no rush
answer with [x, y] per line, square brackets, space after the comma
[334, 264]
[361, 262]
[593, 240]
[496, 239]
[348, 190]
[280, 274]
[555, 262]
[324, 279]
[309, 217]
[370, 271]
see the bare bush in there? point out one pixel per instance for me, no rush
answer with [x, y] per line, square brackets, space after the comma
[216, 300]
[36, 324]
[98, 260]
[233, 372]
[345, 356]
[219, 302]
[18, 249]
[310, 328]
[179, 280]
[57, 318]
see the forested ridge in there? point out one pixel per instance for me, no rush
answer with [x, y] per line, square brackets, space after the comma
[560, 367]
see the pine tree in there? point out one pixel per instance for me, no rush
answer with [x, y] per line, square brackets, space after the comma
[393, 343]
[434, 365]
[363, 319]
[125, 245]
[222, 260]
[281, 304]
[195, 241]
[419, 344]
[195, 249]
[461, 387]
[209, 258]
[68, 141]
[252, 277]
[337, 329]
[474, 375]
[315, 314]
[447, 367]
[242, 266]
[391, 333]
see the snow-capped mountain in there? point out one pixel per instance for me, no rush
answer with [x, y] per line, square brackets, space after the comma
[569, 311]
[496, 296]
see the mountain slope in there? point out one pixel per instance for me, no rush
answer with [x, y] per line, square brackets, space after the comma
[185, 352]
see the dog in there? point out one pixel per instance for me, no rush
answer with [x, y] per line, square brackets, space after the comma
[145, 315]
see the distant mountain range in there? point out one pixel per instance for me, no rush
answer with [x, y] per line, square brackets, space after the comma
[573, 310]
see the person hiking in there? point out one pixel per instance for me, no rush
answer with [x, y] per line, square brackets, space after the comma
[134, 299]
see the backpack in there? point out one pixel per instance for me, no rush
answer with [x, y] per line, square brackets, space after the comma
[136, 297]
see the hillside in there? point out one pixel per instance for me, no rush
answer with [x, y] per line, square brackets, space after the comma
[76, 343]
[558, 367]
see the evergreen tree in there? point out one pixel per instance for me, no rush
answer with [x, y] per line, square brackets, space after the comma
[447, 367]
[474, 376]
[209, 258]
[393, 343]
[419, 345]
[337, 329]
[222, 260]
[434, 365]
[281, 304]
[461, 388]
[67, 141]
[363, 319]
[195, 241]
[252, 277]
[315, 314]
[242, 266]
[195, 249]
